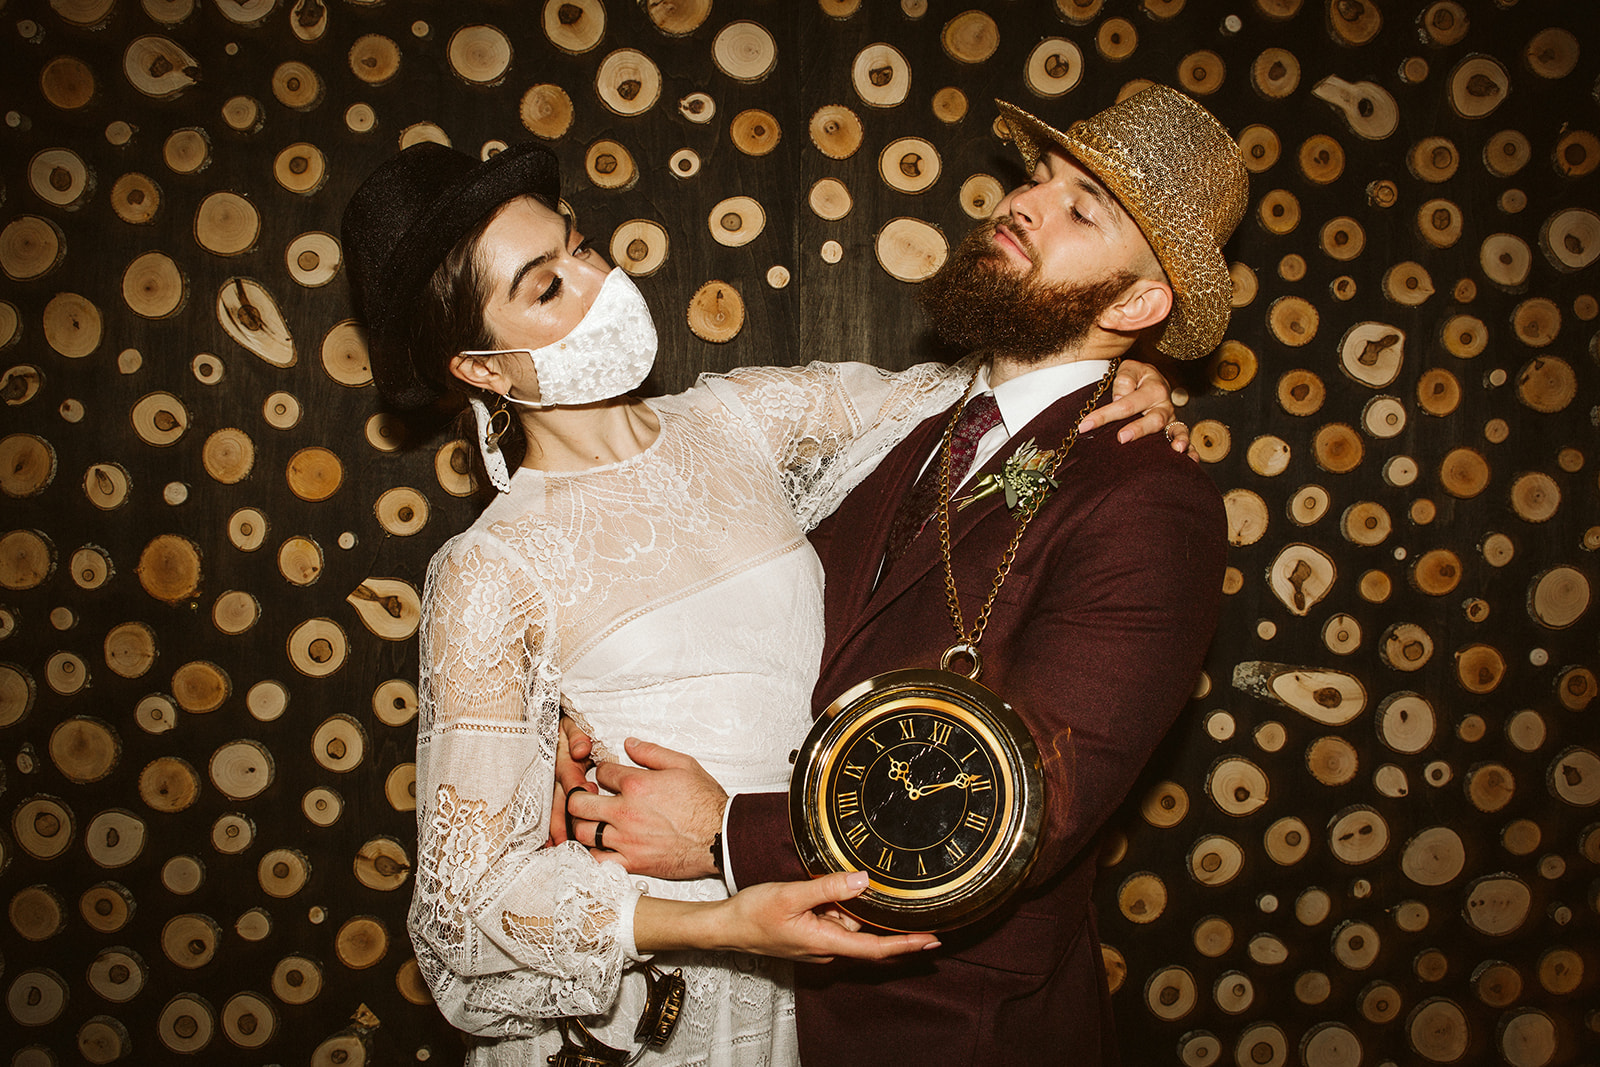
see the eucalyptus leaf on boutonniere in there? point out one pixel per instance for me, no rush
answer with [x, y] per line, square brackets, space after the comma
[1025, 479]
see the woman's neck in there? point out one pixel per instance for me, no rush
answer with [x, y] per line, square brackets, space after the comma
[567, 439]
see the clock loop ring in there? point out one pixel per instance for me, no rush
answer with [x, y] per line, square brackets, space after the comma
[962, 648]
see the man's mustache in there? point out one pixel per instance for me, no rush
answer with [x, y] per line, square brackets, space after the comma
[1008, 223]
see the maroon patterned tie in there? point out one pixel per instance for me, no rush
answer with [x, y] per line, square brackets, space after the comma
[917, 506]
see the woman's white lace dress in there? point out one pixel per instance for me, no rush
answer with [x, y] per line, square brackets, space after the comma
[672, 596]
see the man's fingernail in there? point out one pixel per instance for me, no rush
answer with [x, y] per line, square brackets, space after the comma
[931, 945]
[856, 879]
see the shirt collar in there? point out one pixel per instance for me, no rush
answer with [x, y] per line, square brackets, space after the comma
[1022, 398]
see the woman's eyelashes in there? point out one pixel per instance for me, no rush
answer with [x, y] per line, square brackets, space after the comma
[552, 291]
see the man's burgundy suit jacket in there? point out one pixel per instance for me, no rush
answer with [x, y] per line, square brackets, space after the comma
[1096, 639]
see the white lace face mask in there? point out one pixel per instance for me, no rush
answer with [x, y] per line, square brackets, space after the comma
[609, 352]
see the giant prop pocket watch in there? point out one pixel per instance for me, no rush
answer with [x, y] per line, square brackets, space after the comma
[923, 778]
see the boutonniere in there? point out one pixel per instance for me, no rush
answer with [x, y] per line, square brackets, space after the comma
[1025, 479]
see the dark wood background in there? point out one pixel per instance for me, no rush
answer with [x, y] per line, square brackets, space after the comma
[1446, 905]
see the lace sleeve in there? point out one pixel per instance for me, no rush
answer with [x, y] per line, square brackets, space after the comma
[828, 424]
[506, 930]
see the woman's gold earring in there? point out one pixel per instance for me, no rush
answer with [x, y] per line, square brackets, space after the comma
[499, 423]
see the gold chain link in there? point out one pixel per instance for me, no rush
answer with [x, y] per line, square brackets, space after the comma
[1028, 511]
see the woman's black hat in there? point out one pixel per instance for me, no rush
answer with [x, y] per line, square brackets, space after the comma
[402, 223]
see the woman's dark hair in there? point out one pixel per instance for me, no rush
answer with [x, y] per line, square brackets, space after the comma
[449, 319]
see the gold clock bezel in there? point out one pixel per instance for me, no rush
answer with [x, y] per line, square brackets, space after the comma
[981, 886]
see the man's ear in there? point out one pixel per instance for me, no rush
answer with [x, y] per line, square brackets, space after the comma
[480, 372]
[1145, 303]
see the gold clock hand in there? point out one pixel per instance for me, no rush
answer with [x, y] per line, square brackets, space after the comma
[900, 771]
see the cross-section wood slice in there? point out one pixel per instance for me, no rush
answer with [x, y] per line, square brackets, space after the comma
[242, 769]
[1275, 73]
[910, 249]
[159, 67]
[610, 165]
[168, 784]
[1558, 597]
[27, 465]
[130, 649]
[118, 974]
[382, 864]
[344, 354]
[628, 82]
[169, 568]
[1053, 67]
[159, 418]
[836, 131]
[881, 76]
[1505, 260]
[314, 473]
[1201, 73]
[318, 647]
[744, 50]
[235, 612]
[546, 111]
[1237, 786]
[716, 312]
[36, 997]
[1478, 85]
[226, 224]
[250, 315]
[676, 18]
[248, 1020]
[374, 58]
[909, 165]
[113, 838]
[153, 286]
[949, 104]
[389, 607]
[479, 55]
[574, 26]
[228, 455]
[322, 806]
[1368, 108]
[283, 872]
[296, 980]
[1300, 576]
[736, 221]
[698, 108]
[84, 749]
[400, 787]
[300, 168]
[232, 834]
[135, 198]
[60, 177]
[201, 686]
[1332, 698]
[970, 37]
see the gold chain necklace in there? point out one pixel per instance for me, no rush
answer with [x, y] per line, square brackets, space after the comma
[968, 645]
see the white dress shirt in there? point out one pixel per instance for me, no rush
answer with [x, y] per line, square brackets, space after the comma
[1020, 401]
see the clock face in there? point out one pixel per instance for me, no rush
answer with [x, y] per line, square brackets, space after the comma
[932, 788]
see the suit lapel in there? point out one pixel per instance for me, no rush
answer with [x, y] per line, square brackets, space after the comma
[862, 529]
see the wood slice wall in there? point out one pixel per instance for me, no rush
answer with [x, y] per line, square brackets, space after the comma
[1374, 838]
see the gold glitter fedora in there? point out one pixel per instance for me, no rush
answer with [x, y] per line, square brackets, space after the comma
[1182, 178]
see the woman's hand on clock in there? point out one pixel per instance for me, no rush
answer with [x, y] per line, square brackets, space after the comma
[790, 920]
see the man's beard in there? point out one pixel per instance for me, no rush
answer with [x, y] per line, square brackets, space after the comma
[977, 301]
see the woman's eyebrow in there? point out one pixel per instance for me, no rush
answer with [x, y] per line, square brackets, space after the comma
[529, 267]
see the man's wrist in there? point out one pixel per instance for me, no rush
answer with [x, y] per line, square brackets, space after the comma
[716, 854]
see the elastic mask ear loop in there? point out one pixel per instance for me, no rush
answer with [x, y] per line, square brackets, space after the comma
[494, 461]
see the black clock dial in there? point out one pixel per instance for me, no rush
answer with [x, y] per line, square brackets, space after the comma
[930, 783]
[915, 798]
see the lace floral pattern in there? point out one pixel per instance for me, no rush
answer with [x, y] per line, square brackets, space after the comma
[672, 596]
